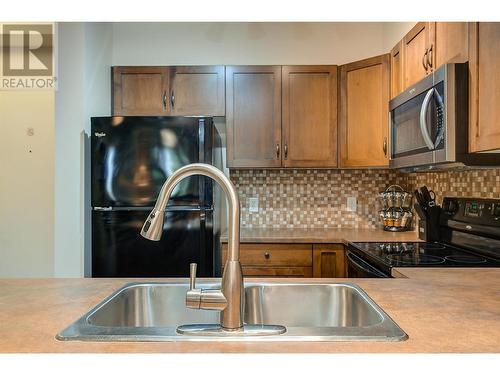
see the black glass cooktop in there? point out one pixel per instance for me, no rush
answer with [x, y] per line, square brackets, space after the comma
[419, 254]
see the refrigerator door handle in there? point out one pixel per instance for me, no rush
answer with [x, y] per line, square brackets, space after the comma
[103, 208]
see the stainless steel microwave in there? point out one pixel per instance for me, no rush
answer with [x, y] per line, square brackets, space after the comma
[429, 123]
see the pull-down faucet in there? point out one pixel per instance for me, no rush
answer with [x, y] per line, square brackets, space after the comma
[228, 299]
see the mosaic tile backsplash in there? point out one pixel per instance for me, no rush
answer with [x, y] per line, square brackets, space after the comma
[482, 183]
[310, 198]
[297, 198]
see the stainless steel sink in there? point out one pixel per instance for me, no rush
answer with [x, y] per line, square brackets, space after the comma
[310, 312]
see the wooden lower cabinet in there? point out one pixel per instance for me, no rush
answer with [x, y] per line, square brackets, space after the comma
[269, 260]
[277, 271]
[290, 260]
[329, 260]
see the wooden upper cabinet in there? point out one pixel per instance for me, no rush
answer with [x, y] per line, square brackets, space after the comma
[450, 42]
[416, 45]
[363, 119]
[253, 116]
[197, 90]
[397, 83]
[140, 91]
[162, 91]
[426, 47]
[309, 110]
[484, 86]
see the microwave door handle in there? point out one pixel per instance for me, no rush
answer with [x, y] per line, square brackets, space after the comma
[423, 119]
[440, 105]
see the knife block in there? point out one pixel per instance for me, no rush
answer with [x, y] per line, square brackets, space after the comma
[428, 229]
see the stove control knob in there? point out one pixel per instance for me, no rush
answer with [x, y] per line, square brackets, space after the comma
[450, 206]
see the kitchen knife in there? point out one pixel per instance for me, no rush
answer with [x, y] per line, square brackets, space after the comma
[420, 199]
[429, 201]
[420, 212]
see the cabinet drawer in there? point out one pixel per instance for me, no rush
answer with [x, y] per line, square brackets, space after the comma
[277, 271]
[295, 255]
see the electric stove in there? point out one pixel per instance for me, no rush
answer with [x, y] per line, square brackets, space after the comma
[469, 237]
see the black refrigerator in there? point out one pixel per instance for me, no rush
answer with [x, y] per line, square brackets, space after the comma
[131, 157]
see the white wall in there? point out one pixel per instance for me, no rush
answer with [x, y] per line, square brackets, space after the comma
[26, 184]
[249, 43]
[393, 32]
[84, 91]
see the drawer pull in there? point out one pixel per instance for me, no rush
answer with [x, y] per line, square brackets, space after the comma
[267, 255]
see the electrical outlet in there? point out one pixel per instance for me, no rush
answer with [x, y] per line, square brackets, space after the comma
[351, 204]
[253, 204]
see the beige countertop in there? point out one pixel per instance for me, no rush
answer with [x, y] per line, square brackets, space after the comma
[442, 310]
[325, 235]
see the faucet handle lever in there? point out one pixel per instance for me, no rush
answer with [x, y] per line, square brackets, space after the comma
[192, 276]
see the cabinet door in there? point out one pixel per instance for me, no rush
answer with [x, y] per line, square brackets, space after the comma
[309, 107]
[416, 45]
[328, 261]
[253, 116]
[197, 90]
[397, 84]
[450, 41]
[484, 64]
[363, 120]
[140, 91]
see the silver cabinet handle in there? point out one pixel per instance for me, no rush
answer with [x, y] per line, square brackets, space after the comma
[423, 119]
[424, 59]
[164, 99]
[172, 99]
[277, 150]
[286, 150]
[384, 146]
[430, 55]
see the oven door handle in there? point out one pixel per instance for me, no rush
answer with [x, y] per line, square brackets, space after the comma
[358, 263]
[423, 119]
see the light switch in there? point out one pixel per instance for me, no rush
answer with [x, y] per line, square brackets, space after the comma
[253, 204]
[351, 204]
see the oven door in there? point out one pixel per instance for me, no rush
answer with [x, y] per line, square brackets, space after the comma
[417, 121]
[357, 267]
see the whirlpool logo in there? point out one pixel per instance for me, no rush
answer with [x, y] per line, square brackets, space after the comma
[27, 56]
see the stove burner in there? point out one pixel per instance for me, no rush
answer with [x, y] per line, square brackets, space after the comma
[432, 246]
[415, 259]
[471, 259]
[396, 248]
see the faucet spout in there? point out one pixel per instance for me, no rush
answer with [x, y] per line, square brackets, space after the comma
[232, 278]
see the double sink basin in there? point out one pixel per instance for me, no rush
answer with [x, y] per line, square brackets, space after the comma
[310, 312]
